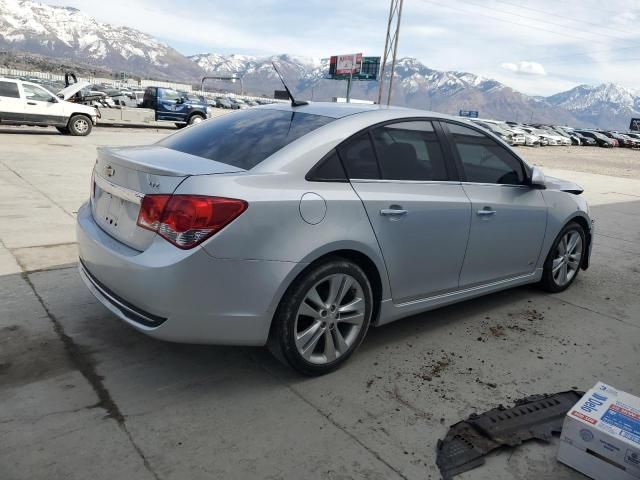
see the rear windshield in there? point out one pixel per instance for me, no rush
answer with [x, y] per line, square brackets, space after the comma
[245, 138]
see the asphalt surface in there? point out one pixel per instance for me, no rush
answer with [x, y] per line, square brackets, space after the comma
[84, 396]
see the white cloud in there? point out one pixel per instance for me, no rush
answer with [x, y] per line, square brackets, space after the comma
[525, 68]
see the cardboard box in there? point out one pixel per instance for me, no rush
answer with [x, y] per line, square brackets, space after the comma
[601, 435]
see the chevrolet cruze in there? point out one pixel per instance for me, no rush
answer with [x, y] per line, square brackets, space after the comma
[299, 227]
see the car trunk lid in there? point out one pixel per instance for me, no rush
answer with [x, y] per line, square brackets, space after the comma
[123, 176]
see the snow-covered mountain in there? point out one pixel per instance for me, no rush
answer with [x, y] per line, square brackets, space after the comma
[415, 85]
[65, 32]
[605, 104]
[72, 37]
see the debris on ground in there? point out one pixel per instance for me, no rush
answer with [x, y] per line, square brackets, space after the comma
[467, 442]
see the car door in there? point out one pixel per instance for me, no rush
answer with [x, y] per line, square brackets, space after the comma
[417, 208]
[11, 105]
[170, 106]
[509, 217]
[42, 107]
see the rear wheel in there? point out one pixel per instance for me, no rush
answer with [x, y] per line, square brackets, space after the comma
[565, 259]
[79, 125]
[323, 317]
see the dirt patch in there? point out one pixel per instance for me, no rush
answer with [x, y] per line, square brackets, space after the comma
[26, 357]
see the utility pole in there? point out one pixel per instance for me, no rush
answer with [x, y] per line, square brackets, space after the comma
[349, 86]
[390, 46]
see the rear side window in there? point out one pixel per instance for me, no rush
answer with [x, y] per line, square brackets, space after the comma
[328, 170]
[359, 158]
[483, 159]
[245, 138]
[9, 89]
[409, 151]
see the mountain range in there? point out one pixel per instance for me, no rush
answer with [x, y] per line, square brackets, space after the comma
[68, 35]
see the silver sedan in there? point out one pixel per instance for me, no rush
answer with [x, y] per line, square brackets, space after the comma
[299, 227]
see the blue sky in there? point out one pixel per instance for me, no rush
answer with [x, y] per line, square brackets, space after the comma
[537, 46]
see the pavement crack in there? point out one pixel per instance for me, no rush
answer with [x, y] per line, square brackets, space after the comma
[81, 360]
[327, 417]
[84, 363]
[611, 317]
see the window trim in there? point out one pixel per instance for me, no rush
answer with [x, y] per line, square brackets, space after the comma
[451, 167]
[458, 162]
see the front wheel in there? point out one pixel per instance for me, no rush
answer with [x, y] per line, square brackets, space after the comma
[79, 126]
[195, 119]
[323, 317]
[565, 259]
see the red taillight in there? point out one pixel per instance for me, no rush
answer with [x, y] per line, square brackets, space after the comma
[187, 220]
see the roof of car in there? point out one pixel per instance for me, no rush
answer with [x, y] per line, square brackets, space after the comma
[340, 110]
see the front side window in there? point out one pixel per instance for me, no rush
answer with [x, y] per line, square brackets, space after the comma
[171, 95]
[9, 90]
[31, 92]
[483, 159]
[409, 151]
[244, 139]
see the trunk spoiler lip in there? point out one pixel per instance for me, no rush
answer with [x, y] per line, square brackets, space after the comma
[157, 160]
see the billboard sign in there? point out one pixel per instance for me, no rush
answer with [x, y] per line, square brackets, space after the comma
[634, 126]
[348, 64]
[368, 68]
[468, 113]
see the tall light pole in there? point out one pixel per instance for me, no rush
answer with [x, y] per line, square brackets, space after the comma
[390, 46]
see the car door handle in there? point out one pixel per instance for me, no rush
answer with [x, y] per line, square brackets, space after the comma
[485, 212]
[31, 103]
[393, 212]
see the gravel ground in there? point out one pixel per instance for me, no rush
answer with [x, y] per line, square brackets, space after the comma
[615, 162]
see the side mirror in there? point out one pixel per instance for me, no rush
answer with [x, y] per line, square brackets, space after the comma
[180, 101]
[537, 179]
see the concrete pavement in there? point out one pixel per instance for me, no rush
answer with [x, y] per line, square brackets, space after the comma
[84, 396]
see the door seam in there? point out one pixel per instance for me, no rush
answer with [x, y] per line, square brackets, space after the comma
[373, 230]
[466, 248]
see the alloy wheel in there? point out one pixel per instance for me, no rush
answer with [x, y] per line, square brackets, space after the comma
[81, 125]
[330, 318]
[567, 258]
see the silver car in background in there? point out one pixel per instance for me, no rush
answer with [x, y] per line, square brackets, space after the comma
[299, 227]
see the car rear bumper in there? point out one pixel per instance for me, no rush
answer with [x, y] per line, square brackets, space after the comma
[181, 295]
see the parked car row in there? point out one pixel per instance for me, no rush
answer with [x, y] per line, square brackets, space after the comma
[538, 135]
[235, 103]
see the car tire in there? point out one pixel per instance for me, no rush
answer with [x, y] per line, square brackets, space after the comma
[195, 119]
[63, 130]
[313, 338]
[565, 259]
[79, 125]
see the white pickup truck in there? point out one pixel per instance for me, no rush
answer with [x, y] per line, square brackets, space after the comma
[25, 103]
